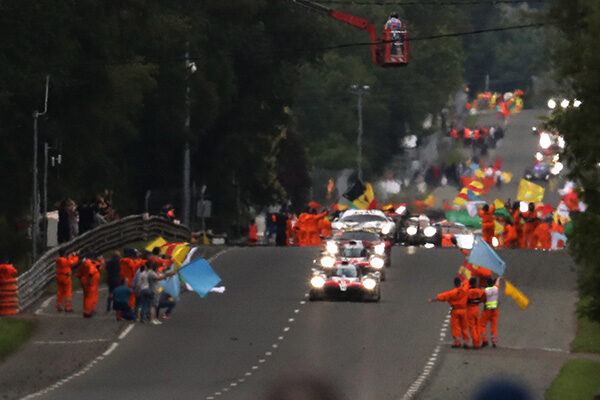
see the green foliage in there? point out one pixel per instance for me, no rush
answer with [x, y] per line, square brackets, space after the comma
[575, 56]
[13, 333]
[588, 331]
[578, 379]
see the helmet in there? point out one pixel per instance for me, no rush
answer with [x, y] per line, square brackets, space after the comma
[393, 14]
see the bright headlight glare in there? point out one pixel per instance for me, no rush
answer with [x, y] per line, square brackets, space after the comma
[429, 231]
[331, 247]
[545, 141]
[557, 168]
[539, 156]
[400, 210]
[377, 262]
[561, 142]
[565, 103]
[429, 245]
[576, 103]
[327, 262]
[411, 230]
[379, 249]
[317, 281]
[386, 229]
[495, 242]
[523, 207]
[369, 283]
[555, 158]
[552, 104]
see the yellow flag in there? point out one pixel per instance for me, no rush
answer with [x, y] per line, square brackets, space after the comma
[499, 203]
[179, 254]
[519, 298]
[365, 201]
[430, 200]
[159, 241]
[506, 176]
[530, 192]
[498, 227]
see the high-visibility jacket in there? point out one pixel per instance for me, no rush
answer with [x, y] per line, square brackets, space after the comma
[491, 297]
[64, 266]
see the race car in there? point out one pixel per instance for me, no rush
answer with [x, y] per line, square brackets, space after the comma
[454, 234]
[344, 281]
[546, 165]
[360, 247]
[374, 220]
[419, 231]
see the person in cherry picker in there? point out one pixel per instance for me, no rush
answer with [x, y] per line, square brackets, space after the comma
[394, 25]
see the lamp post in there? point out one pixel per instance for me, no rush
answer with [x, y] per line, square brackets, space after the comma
[359, 90]
[190, 69]
[36, 202]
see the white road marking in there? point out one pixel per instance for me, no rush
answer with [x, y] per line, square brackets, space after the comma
[81, 341]
[291, 320]
[262, 360]
[110, 349]
[280, 338]
[268, 353]
[287, 328]
[274, 345]
[248, 374]
[255, 367]
[126, 331]
[303, 302]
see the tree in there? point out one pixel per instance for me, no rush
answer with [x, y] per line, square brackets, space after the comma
[576, 62]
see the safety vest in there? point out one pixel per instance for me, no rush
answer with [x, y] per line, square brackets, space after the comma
[491, 294]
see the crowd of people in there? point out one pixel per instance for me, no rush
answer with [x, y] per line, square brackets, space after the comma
[468, 321]
[134, 292]
[307, 229]
[481, 138]
[76, 219]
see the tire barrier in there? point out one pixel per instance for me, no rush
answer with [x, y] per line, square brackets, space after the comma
[9, 303]
[106, 237]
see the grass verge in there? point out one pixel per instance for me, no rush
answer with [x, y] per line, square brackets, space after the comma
[13, 333]
[588, 337]
[577, 379]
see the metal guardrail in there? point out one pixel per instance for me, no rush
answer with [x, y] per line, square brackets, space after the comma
[105, 237]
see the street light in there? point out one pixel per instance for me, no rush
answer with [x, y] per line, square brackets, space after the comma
[359, 90]
[190, 69]
[36, 203]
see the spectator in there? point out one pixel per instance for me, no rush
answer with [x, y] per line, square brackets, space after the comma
[73, 218]
[85, 209]
[166, 301]
[153, 278]
[121, 298]
[64, 224]
[112, 278]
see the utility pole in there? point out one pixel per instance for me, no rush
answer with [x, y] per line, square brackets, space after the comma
[36, 201]
[359, 91]
[190, 68]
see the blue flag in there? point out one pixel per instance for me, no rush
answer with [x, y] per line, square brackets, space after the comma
[472, 196]
[484, 256]
[171, 286]
[200, 276]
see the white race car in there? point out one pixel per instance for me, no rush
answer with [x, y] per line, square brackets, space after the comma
[374, 220]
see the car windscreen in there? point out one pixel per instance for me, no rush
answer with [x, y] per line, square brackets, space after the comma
[358, 235]
[347, 272]
[353, 252]
[363, 218]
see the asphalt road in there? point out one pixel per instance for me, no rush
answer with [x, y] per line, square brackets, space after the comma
[516, 151]
[239, 344]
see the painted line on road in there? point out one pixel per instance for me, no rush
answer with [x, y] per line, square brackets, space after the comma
[80, 341]
[126, 331]
[112, 348]
[417, 385]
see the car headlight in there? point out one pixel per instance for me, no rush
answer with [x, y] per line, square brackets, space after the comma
[561, 142]
[556, 168]
[400, 210]
[539, 156]
[495, 242]
[369, 283]
[545, 141]
[523, 206]
[331, 247]
[411, 230]
[317, 281]
[377, 262]
[429, 245]
[379, 249]
[429, 231]
[465, 241]
[327, 261]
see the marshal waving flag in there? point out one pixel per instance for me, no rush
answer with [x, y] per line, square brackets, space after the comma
[518, 296]
[200, 276]
[470, 192]
[483, 255]
[529, 192]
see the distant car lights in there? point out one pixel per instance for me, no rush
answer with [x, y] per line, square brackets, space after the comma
[317, 281]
